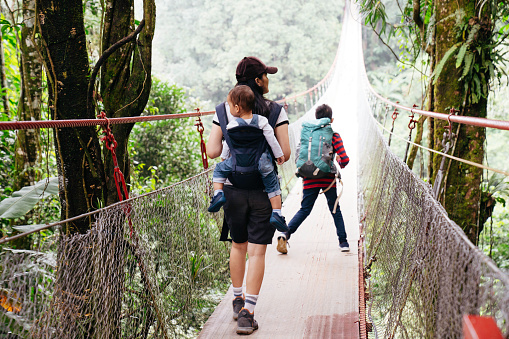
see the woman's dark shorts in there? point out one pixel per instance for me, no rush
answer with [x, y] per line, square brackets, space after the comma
[247, 213]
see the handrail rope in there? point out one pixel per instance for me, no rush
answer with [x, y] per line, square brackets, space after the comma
[18, 125]
[445, 154]
[461, 119]
[127, 201]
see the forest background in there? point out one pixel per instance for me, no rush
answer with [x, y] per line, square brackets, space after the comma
[197, 45]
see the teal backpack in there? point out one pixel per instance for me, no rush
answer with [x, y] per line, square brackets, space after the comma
[316, 150]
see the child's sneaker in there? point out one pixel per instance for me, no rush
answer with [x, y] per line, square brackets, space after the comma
[217, 202]
[238, 304]
[279, 222]
[344, 246]
[246, 323]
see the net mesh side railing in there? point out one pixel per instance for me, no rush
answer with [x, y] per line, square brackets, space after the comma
[154, 279]
[423, 274]
[157, 276]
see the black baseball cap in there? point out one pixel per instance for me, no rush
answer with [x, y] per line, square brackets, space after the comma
[251, 67]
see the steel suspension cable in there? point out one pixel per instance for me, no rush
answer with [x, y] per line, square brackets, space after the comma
[474, 121]
[18, 125]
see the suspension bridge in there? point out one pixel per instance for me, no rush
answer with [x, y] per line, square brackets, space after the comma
[151, 261]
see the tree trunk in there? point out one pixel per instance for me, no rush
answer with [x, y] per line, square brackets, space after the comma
[462, 183]
[84, 179]
[78, 152]
[27, 156]
[126, 78]
[125, 88]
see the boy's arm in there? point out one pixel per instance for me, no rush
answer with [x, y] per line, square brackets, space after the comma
[268, 132]
[339, 149]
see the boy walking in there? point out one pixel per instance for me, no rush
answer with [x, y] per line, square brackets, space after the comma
[241, 102]
[312, 187]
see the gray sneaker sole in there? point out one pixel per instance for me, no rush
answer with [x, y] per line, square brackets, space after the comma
[246, 330]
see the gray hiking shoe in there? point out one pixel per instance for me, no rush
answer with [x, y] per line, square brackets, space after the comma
[246, 323]
[238, 304]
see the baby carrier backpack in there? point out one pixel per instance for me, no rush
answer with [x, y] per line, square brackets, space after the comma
[247, 144]
[316, 150]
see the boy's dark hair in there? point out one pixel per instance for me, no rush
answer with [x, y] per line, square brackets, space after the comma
[323, 111]
[243, 96]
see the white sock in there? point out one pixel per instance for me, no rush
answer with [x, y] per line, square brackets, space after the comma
[217, 191]
[277, 211]
[237, 291]
[251, 302]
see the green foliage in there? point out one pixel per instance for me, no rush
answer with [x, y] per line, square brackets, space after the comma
[165, 151]
[300, 38]
[24, 200]
[441, 64]
[494, 240]
[10, 32]
[93, 15]
[383, 19]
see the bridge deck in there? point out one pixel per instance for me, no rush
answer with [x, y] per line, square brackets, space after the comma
[312, 292]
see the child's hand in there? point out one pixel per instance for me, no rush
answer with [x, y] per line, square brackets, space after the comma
[280, 160]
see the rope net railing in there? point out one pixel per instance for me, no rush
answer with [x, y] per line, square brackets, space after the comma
[422, 272]
[152, 272]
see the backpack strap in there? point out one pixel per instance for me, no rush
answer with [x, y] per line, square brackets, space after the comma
[223, 122]
[275, 109]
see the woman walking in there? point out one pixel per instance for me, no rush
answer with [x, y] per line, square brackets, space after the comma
[247, 209]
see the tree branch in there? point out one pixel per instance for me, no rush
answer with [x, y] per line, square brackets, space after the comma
[105, 56]
[394, 53]
[417, 15]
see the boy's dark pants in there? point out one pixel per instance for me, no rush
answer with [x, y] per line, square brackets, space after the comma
[308, 201]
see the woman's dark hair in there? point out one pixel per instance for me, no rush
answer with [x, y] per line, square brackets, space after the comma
[260, 105]
[323, 111]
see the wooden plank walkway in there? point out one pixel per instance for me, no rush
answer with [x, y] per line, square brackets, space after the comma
[312, 292]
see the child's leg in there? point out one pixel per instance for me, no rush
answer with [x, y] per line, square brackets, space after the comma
[218, 186]
[275, 202]
[270, 180]
[271, 183]
[221, 172]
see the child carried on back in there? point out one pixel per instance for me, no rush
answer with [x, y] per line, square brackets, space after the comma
[241, 102]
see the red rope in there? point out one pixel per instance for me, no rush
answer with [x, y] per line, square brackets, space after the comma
[200, 128]
[111, 145]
